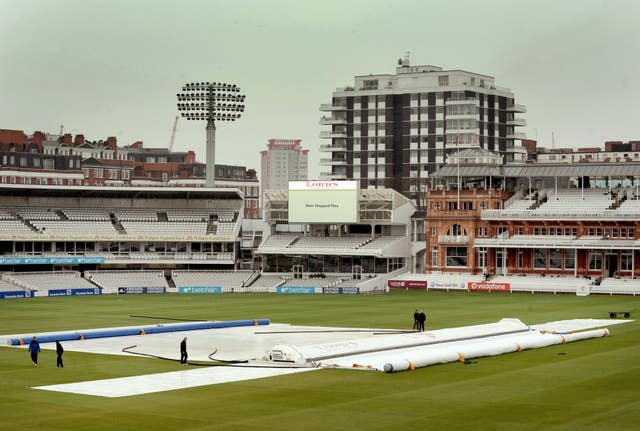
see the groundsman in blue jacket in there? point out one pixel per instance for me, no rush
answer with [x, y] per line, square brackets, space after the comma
[34, 349]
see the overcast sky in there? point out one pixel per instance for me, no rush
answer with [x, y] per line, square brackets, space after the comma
[113, 68]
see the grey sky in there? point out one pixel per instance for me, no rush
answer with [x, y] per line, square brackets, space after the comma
[112, 68]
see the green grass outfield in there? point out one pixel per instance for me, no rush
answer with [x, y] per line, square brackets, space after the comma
[592, 385]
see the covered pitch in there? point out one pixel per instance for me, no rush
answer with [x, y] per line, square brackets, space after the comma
[258, 349]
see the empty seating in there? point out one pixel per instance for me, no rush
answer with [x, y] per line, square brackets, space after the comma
[110, 281]
[6, 286]
[315, 282]
[221, 215]
[189, 215]
[226, 228]
[16, 227]
[266, 283]
[279, 240]
[6, 215]
[613, 286]
[43, 281]
[225, 279]
[75, 228]
[136, 214]
[536, 283]
[350, 242]
[164, 228]
[37, 213]
[86, 214]
[380, 242]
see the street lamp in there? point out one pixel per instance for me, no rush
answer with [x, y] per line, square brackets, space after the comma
[210, 101]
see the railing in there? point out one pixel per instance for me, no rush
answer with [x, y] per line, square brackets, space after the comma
[516, 135]
[332, 176]
[332, 134]
[517, 122]
[556, 215]
[331, 162]
[458, 239]
[461, 100]
[513, 199]
[332, 107]
[332, 120]
[517, 108]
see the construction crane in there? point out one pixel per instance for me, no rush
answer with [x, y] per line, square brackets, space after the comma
[173, 133]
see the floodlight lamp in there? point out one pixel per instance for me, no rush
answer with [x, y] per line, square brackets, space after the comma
[209, 93]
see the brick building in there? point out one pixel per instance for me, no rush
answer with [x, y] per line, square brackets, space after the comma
[580, 219]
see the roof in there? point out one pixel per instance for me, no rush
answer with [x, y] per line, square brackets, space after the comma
[542, 170]
[23, 190]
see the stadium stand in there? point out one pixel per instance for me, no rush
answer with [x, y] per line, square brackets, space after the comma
[85, 214]
[617, 286]
[345, 242]
[266, 283]
[7, 286]
[538, 284]
[164, 228]
[140, 215]
[37, 213]
[279, 240]
[111, 280]
[381, 242]
[15, 227]
[328, 281]
[47, 280]
[74, 228]
[227, 280]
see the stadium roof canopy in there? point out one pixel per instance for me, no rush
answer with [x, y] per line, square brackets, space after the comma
[541, 170]
[23, 190]
[364, 195]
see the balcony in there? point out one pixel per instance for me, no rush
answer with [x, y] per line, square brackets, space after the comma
[462, 101]
[332, 162]
[517, 108]
[332, 107]
[328, 148]
[327, 134]
[516, 135]
[473, 116]
[463, 131]
[332, 176]
[327, 121]
[517, 122]
[453, 239]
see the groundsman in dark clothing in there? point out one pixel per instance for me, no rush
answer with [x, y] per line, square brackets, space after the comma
[421, 319]
[59, 352]
[34, 349]
[183, 351]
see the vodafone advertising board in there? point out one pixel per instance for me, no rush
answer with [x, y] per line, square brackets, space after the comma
[488, 286]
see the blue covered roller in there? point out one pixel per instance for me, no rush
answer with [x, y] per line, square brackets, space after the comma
[137, 330]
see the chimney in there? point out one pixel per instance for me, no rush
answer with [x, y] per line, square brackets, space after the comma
[608, 145]
[38, 139]
[78, 140]
[112, 143]
[190, 157]
[137, 144]
[67, 139]
[530, 145]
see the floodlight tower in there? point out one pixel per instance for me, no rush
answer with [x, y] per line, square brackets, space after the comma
[210, 101]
